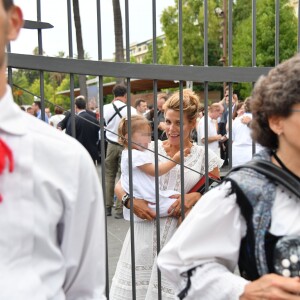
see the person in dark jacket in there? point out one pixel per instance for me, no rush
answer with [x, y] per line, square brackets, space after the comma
[86, 127]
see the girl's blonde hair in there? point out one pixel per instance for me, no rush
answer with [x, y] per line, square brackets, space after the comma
[137, 122]
[191, 104]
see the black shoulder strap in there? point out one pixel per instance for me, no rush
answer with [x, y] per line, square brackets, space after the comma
[273, 172]
[117, 112]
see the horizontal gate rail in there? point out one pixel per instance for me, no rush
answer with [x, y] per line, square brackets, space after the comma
[163, 72]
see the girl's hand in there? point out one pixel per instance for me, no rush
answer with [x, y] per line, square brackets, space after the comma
[186, 152]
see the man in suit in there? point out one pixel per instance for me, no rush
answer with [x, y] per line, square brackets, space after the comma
[161, 99]
[86, 127]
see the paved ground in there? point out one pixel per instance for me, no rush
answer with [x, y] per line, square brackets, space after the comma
[116, 232]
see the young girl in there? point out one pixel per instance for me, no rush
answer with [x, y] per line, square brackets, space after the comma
[143, 168]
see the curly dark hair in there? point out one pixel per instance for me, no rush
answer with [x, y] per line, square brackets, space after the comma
[7, 4]
[274, 95]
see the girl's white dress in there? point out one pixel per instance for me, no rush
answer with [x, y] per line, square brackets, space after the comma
[145, 239]
[143, 184]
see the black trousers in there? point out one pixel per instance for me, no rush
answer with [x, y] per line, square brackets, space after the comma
[224, 145]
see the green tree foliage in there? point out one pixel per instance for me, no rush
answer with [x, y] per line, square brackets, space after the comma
[192, 33]
[20, 80]
[265, 34]
[48, 90]
[242, 10]
[53, 82]
[148, 59]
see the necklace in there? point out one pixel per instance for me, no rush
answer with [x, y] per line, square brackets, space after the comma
[284, 167]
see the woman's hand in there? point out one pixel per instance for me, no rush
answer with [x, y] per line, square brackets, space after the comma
[142, 210]
[189, 201]
[272, 286]
[140, 206]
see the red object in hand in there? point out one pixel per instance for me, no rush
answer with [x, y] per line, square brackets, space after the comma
[5, 152]
[200, 185]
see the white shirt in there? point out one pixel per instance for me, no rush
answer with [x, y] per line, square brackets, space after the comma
[210, 238]
[212, 131]
[242, 142]
[108, 112]
[52, 241]
[56, 119]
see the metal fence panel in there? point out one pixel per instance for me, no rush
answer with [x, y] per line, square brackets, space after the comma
[180, 73]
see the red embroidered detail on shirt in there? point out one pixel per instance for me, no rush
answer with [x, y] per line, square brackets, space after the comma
[5, 152]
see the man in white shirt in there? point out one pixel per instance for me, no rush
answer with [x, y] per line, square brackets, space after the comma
[141, 106]
[36, 105]
[113, 113]
[213, 138]
[52, 242]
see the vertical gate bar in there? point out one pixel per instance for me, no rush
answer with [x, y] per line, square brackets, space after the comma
[9, 69]
[277, 23]
[181, 148]
[154, 52]
[102, 138]
[132, 245]
[205, 33]
[206, 133]
[230, 84]
[158, 246]
[253, 50]
[70, 40]
[230, 33]
[298, 27]
[225, 18]
[206, 93]
[229, 155]
[181, 109]
[155, 135]
[159, 294]
[253, 33]
[133, 282]
[40, 47]
[127, 31]
[155, 138]
[180, 30]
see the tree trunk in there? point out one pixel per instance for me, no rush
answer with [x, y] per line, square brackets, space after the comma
[119, 53]
[80, 50]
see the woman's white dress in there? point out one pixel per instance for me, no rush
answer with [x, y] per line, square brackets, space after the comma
[146, 234]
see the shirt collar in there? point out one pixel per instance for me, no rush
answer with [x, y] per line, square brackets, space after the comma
[80, 112]
[11, 117]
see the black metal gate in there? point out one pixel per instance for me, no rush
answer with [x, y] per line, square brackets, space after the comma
[180, 73]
